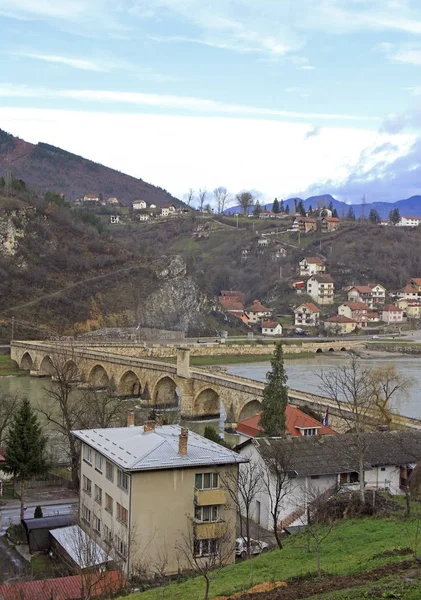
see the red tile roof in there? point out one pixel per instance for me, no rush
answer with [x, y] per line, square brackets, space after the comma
[322, 278]
[417, 280]
[362, 289]
[231, 304]
[63, 588]
[295, 419]
[391, 308]
[270, 324]
[314, 260]
[257, 306]
[409, 289]
[356, 305]
[311, 307]
[340, 319]
[331, 219]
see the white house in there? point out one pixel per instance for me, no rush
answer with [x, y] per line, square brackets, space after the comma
[91, 198]
[409, 222]
[263, 243]
[271, 328]
[392, 314]
[324, 465]
[113, 201]
[139, 205]
[114, 219]
[310, 265]
[361, 293]
[143, 217]
[321, 288]
[378, 293]
[167, 209]
[257, 311]
[307, 315]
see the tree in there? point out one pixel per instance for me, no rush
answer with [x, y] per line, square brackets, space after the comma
[275, 206]
[287, 209]
[281, 207]
[245, 200]
[190, 197]
[202, 194]
[310, 210]
[210, 433]
[394, 216]
[275, 396]
[38, 512]
[257, 209]
[386, 386]
[25, 449]
[8, 406]
[335, 213]
[374, 216]
[301, 209]
[220, 195]
[351, 214]
[2, 182]
[330, 207]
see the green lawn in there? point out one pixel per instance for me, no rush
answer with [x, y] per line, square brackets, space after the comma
[350, 548]
[239, 358]
[9, 367]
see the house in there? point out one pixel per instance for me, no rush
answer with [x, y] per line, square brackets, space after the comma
[167, 210]
[113, 201]
[91, 198]
[340, 325]
[232, 300]
[297, 423]
[263, 243]
[257, 311]
[373, 317]
[144, 217]
[357, 311]
[329, 224]
[233, 294]
[321, 288]
[409, 222]
[149, 488]
[311, 265]
[114, 219]
[299, 286]
[378, 293]
[307, 315]
[391, 314]
[139, 205]
[325, 464]
[411, 308]
[277, 253]
[152, 206]
[305, 224]
[415, 282]
[409, 292]
[361, 293]
[245, 252]
[271, 328]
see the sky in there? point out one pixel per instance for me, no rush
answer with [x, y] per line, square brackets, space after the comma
[282, 97]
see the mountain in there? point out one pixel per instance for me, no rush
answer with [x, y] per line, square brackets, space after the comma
[44, 167]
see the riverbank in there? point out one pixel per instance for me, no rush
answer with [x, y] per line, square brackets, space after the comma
[201, 361]
[8, 367]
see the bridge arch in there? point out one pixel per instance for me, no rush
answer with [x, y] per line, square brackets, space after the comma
[207, 403]
[165, 392]
[129, 384]
[250, 409]
[319, 350]
[47, 366]
[331, 349]
[343, 349]
[98, 378]
[26, 362]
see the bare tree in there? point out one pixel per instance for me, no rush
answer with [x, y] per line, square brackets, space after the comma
[242, 491]
[201, 196]
[206, 556]
[8, 405]
[245, 200]
[387, 385]
[189, 197]
[102, 409]
[221, 196]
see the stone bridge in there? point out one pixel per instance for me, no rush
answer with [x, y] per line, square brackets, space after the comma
[198, 393]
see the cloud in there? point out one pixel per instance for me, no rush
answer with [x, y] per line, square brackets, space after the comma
[399, 122]
[163, 101]
[75, 63]
[315, 131]
[409, 54]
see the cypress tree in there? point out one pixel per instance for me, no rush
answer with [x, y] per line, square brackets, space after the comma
[281, 207]
[287, 209]
[25, 449]
[275, 396]
[275, 206]
[38, 513]
[335, 213]
[351, 215]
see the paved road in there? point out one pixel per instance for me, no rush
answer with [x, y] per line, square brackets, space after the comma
[11, 514]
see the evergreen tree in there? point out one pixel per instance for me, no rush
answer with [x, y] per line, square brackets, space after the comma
[257, 209]
[330, 207]
[282, 207]
[2, 182]
[38, 513]
[310, 210]
[275, 206]
[210, 433]
[301, 209]
[374, 216]
[351, 215]
[25, 449]
[275, 396]
[394, 216]
[335, 213]
[287, 209]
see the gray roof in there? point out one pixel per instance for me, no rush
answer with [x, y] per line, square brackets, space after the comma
[332, 454]
[49, 522]
[133, 450]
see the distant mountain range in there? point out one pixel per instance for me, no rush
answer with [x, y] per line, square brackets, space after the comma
[410, 207]
[44, 167]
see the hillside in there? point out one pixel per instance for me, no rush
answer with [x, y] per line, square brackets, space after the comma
[47, 168]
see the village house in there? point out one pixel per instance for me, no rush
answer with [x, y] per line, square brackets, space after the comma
[321, 288]
[409, 222]
[307, 315]
[271, 328]
[257, 311]
[91, 199]
[411, 308]
[329, 224]
[340, 325]
[245, 252]
[378, 293]
[311, 265]
[149, 488]
[139, 205]
[391, 314]
[114, 219]
[415, 282]
[358, 311]
[167, 210]
[144, 217]
[409, 292]
[299, 286]
[305, 224]
[277, 253]
[297, 423]
[263, 243]
[113, 201]
[361, 293]
[326, 464]
[373, 316]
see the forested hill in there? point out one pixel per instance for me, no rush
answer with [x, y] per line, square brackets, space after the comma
[47, 168]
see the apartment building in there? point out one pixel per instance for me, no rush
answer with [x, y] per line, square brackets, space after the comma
[146, 490]
[321, 288]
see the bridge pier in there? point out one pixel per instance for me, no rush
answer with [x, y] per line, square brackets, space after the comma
[38, 373]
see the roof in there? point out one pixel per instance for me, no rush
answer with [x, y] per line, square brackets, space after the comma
[362, 289]
[333, 454]
[81, 548]
[90, 196]
[296, 419]
[340, 319]
[417, 280]
[391, 308]
[257, 306]
[310, 306]
[63, 588]
[133, 450]
[48, 522]
[331, 219]
[373, 285]
[168, 206]
[137, 202]
[416, 218]
[270, 324]
[356, 305]
[230, 303]
[314, 260]
[307, 219]
[322, 278]
[409, 289]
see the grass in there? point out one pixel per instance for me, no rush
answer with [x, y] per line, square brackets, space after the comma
[9, 367]
[42, 567]
[389, 587]
[350, 548]
[241, 358]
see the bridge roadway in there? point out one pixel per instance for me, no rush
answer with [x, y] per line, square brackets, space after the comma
[164, 384]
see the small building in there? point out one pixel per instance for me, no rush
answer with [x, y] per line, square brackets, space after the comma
[271, 328]
[299, 286]
[311, 265]
[263, 243]
[361, 293]
[305, 224]
[373, 316]
[415, 282]
[391, 314]
[143, 217]
[378, 293]
[91, 199]
[78, 549]
[340, 325]
[139, 205]
[297, 423]
[277, 253]
[411, 308]
[232, 301]
[409, 222]
[321, 288]
[38, 530]
[114, 219]
[113, 201]
[167, 210]
[257, 311]
[307, 315]
[357, 311]
[329, 224]
[409, 292]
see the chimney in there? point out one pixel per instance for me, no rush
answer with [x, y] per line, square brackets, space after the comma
[149, 426]
[182, 441]
[159, 420]
[130, 418]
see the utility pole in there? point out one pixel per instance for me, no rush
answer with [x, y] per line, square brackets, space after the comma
[363, 207]
[8, 178]
[13, 328]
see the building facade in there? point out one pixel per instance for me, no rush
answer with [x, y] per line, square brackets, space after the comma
[321, 289]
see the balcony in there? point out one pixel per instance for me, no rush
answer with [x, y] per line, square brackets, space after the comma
[210, 497]
[205, 531]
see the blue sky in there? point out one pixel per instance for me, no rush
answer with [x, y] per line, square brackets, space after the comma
[279, 96]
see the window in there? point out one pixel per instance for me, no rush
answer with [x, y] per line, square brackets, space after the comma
[98, 494]
[206, 481]
[87, 485]
[108, 504]
[108, 535]
[87, 454]
[120, 546]
[97, 524]
[205, 547]
[309, 431]
[86, 514]
[206, 514]
[98, 462]
[122, 480]
[109, 471]
[122, 514]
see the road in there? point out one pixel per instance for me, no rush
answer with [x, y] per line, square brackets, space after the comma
[11, 515]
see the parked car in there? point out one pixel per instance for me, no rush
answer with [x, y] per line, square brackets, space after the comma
[256, 547]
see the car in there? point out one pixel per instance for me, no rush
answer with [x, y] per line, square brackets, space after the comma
[256, 547]
[375, 337]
